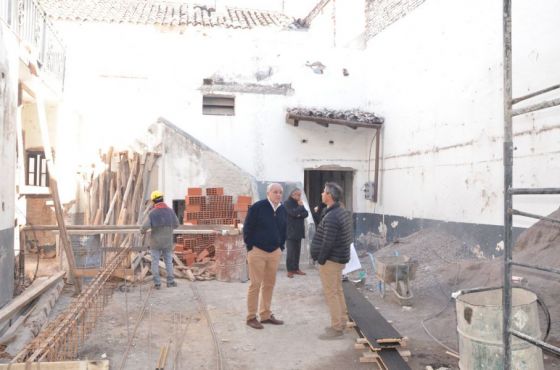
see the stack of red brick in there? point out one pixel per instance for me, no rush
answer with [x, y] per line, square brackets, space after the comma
[214, 208]
[191, 248]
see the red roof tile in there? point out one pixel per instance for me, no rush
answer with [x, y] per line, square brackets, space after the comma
[161, 13]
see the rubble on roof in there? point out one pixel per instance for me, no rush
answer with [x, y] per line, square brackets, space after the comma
[163, 13]
[353, 115]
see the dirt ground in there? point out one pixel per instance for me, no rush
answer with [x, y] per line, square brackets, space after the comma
[446, 264]
[174, 315]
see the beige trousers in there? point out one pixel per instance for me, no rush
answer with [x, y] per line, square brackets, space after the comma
[331, 278]
[262, 272]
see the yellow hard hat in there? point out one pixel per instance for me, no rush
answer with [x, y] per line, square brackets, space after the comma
[156, 194]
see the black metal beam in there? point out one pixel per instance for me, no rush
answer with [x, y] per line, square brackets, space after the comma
[539, 343]
[537, 191]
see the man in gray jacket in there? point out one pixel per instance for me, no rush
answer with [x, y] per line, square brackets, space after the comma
[331, 249]
[162, 221]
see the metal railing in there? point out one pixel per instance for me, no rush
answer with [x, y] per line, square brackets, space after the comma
[30, 23]
[509, 191]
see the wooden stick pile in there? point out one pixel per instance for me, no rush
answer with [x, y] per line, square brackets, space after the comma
[116, 196]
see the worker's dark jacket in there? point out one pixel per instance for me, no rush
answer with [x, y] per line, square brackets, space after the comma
[264, 228]
[334, 236]
[296, 219]
[162, 220]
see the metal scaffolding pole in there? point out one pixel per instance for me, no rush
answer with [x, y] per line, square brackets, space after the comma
[508, 176]
[509, 191]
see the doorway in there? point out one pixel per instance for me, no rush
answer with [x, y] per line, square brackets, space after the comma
[314, 182]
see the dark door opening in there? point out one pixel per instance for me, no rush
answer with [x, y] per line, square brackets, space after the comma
[314, 182]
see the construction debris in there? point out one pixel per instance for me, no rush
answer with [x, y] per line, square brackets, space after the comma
[35, 290]
[64, 365]
[32, 322]
[214, 208]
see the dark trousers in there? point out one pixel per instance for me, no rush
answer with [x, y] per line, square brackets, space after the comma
[292, 256]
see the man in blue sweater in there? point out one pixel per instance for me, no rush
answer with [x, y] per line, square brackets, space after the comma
[264, 233]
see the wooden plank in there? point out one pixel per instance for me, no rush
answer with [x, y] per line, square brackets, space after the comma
[65, 240]
[91, 272]
[64, 365]
[143, 272]
[392, 359]
[369, 320]
[27, 296]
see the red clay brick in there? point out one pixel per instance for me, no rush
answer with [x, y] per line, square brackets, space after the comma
[244, 199]
[194, 207]
[202, 255]
[214, 191]
[190, 257]
[194, 191]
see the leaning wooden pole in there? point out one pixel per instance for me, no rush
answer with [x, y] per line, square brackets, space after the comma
[64, 239]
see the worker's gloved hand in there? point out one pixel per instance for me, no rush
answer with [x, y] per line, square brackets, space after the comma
[321, 261]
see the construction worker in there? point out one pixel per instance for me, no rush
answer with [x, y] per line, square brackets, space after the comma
[162, 221]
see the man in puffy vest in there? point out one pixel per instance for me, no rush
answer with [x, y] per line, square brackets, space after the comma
[331, 249]
[162, 221]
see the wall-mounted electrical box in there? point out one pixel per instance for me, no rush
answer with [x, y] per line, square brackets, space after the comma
[369, 190]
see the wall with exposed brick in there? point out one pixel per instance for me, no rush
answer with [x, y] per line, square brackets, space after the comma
[8, 104]
[40, 212]
[340, 24]
[380, 14]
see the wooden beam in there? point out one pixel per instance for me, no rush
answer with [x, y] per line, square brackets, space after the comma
[183, 229]
[91, 272]
[65, 240]
[63, 365]
[27, 296]
[313, 13]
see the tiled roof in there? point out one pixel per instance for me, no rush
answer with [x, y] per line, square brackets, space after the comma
[148, 12]
[350, 117]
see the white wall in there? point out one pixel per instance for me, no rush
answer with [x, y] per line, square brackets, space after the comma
[122, 84]
[8, 104]
[436, 76]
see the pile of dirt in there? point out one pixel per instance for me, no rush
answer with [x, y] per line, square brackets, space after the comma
[540, 243]
[439, 256]
[447, 264]
[370, 242]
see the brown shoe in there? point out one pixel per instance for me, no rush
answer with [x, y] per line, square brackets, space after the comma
[331, 334]
[299, 272]
[255, 324]
[272, 320]
[290, 274]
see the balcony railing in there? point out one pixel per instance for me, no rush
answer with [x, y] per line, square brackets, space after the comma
[29, 21]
